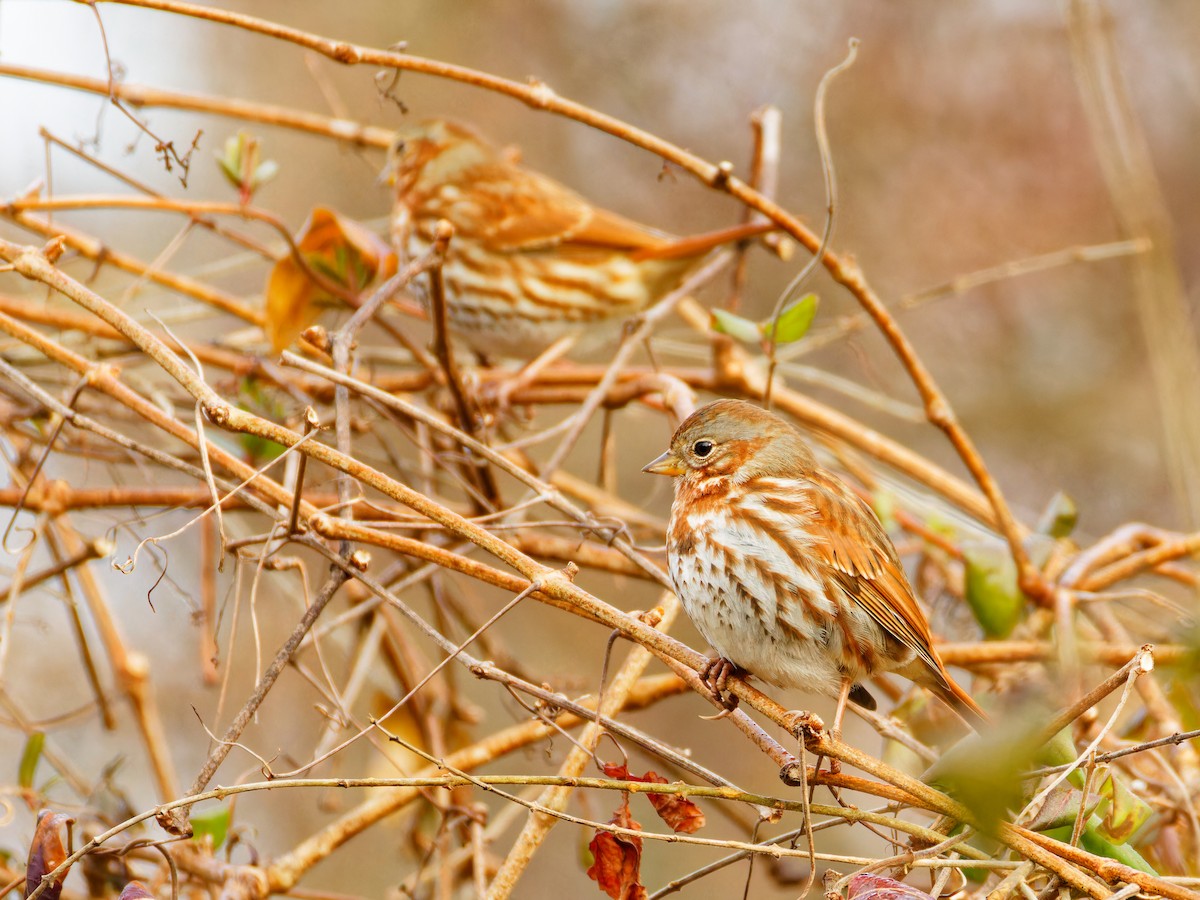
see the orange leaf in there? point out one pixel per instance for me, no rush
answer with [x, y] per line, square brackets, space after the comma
[676, 810]
[680, 813]
[618, 858]
[343, 251]
[46, 853]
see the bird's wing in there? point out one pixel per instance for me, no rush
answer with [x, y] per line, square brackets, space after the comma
[854, 543]
[519, 210]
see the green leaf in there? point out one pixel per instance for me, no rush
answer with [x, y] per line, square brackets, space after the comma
[259, 450]
[214, 825]
[240, 161]
[793, 323]
[884, 504]
[1059, 518]
[983, 771]
[737, 327]
[991, 587]
[29, 759]
[1093, 841]
[1123, 812]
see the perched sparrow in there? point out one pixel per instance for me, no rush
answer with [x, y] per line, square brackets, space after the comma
[786, 572]
[530, 261]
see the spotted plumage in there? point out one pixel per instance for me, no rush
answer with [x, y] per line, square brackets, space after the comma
[787, 572]
[530, 261]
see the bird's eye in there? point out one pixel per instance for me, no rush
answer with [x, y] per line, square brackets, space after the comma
[702, 448]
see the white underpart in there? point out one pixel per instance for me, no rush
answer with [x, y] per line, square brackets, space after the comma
[587, 300]
[738, 610]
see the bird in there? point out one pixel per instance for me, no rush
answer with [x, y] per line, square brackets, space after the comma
[531, 261]
[786, 572]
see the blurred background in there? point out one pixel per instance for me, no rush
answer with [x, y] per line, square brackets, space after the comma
[960, 143]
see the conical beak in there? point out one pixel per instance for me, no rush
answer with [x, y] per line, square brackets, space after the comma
[667, 464]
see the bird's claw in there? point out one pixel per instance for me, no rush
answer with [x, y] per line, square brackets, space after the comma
[715, 675]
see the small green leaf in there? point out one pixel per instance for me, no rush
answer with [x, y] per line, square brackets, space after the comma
[214, 825]
[1094, 841]
[884, 504]
[1060, 751]
[29, 759]
[1091, 841]
[991, 587]
[1059, 518]
[259, 450]
[793, 323]
[240, 161]
[737, 327]
[1123, 812]
[983, 772]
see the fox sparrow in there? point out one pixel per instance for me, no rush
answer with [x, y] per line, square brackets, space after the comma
[530, 261]
[787, 573]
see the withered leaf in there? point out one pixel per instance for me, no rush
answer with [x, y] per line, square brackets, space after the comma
[877, 887]
[617, 858]
[680, 813]
[676, 810]
[135, 890]
[46, 853]
[344, 251]
[1062, 808]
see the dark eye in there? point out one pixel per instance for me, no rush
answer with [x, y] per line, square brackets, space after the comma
[702, 448]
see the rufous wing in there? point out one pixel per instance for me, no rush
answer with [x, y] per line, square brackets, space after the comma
[519, 210]
[856, 546]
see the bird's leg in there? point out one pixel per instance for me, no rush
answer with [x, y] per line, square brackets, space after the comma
[715, 675]
[499, 395]
[843, 696]
[848, 686]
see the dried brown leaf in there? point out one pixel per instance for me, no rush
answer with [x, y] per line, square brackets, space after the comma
[617, 858]
[680, 813]
[342, 250]
[46, 853]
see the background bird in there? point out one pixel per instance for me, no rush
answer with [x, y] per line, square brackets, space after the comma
[784, 570]
[531, 261]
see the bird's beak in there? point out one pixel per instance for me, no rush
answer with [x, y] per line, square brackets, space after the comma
[667, 464]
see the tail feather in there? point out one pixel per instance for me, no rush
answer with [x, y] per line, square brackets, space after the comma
[945, 688]
[950, 693]
[698, 244]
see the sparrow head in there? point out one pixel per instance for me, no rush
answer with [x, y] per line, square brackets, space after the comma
[434, 152]
[733, 438]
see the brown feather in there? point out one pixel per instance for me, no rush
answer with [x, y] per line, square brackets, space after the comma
[851, 539]
[827, 530]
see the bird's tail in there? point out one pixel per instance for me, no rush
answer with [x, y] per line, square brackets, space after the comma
[950, 693]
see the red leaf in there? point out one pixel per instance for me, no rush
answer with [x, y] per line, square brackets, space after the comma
[614, 770]
[135, 890]
[46, 853]
[877, 887]
[618, 859]
[680, 813]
